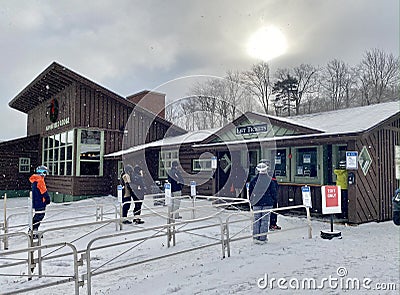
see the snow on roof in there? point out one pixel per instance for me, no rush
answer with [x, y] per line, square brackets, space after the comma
[351, 120]
[190, 137]
[346, 120]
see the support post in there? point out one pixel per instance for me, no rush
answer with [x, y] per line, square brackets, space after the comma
[309, 223]
[5, 223]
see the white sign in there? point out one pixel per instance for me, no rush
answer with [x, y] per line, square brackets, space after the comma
[193, 188]
[306, 194]
[58, 124]
[168, 194]
[307, 158]
[351, 160]
[331, 199]
[213, 162]
[119, 193]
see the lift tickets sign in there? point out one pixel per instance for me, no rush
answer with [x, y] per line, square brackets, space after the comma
[251, 129]
[331, 199]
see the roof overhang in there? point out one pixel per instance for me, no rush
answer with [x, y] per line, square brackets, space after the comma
[49, 83]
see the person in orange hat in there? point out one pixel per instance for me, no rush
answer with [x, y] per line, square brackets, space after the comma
[40, 196]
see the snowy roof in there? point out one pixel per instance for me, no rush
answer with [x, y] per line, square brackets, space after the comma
[349, 120]
[345, 121]
[190, 137]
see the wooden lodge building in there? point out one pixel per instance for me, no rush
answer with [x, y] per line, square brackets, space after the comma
[85, 133]
[303, 150]
[72, 123]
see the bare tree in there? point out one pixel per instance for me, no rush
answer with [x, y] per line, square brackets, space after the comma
[379, 75]
[335, 82]
[259, 83]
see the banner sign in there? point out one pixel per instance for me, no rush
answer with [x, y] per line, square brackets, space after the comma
[351, 160]
[331, 199]
[251, 129]
[168, 195]
[214, 162]
[119, 193]
[306, 194]
[193, 188]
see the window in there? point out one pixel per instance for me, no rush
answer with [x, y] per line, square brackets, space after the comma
[24, 165]
[201, 165]
[57, 153]
[165, 162]
[306, 162]
[279, 157]
[90, 152]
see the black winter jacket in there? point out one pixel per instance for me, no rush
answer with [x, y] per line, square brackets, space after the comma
[263, 191]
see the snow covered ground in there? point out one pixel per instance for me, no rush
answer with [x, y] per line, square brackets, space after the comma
[366, 258]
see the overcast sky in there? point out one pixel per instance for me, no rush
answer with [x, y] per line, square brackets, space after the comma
[128, 45]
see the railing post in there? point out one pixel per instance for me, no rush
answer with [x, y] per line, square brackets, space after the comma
[88, 272]
[193, 194]
[309, 222]
[5, 223]
[120, 201]
[225, 239]
[31, 257]
[97, 212]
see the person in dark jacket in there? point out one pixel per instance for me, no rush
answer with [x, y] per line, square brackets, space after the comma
[274, 217]
[138, 190]
[40, 196]
[176, 180]
[126, 192]
[262, 197]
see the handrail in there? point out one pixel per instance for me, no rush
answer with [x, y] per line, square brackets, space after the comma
[89, 248]
[167, 230]
[74, 278]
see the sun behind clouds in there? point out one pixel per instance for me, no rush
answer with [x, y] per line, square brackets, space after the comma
[267, 43]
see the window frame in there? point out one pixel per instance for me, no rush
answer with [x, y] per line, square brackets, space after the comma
[200, 161]
[96, 146]
[51, 152]
[20, 165]
[304, 178]
[165, 159]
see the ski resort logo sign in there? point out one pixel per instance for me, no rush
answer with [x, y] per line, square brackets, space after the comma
[364, 160]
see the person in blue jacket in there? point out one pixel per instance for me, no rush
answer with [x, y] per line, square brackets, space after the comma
[40, 196]
[262, 197]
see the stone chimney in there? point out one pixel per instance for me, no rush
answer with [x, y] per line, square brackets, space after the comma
[151, 101]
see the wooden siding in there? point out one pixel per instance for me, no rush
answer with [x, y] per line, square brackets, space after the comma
[39, 118]
[370, 197]
[10, 152]
[388, 138]
[290, 194]
[367, 197]
[60, 184]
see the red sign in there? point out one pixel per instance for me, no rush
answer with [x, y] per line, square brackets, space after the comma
[331, 199]
[331, 196]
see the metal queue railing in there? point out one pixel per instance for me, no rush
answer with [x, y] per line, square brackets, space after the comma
[169, 230]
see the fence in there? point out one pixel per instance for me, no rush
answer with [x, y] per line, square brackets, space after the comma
[169, 231]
